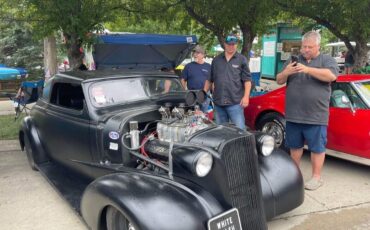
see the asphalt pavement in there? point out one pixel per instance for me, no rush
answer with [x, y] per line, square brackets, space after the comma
[27, 201]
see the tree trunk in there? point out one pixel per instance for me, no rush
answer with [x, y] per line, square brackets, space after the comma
[74, 52]
[360, 54]
[248, 37]
[50, 56]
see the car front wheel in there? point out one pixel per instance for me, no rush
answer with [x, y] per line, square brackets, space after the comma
[273, 124]
[117, 221]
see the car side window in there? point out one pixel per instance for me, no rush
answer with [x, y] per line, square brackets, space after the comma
[336, 99]
[67, 95]
[344, 89]
[161, 86]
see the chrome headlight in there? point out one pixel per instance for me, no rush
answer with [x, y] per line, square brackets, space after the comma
[265, 145]
[203, 163]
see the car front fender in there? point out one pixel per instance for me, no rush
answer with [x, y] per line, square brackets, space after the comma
[148, 202]
[28, 130]
[281, 182]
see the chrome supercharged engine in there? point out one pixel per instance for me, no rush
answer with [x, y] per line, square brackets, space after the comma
[178, 125]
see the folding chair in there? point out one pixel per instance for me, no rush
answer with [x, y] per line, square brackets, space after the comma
[28, 93]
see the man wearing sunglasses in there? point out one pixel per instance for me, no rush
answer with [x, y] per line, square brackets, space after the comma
[230, 80]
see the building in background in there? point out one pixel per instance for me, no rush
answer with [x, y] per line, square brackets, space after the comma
[278, 46]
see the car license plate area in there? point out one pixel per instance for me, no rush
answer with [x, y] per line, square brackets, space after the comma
[228, 220]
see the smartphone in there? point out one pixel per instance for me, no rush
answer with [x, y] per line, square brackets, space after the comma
[294, 58]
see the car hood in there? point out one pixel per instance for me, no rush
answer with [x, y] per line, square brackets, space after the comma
[141, 51]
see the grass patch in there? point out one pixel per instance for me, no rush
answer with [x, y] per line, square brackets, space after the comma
[9, 128]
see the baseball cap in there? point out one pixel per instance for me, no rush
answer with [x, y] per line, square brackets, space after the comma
[199, 49]
[231, 39]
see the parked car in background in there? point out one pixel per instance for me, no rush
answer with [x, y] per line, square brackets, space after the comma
[349, 123]
[130, 149]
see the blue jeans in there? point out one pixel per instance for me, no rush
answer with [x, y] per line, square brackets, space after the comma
[233, 113]
[204, 105]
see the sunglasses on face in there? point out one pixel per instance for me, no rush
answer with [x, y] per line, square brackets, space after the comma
[231, 39]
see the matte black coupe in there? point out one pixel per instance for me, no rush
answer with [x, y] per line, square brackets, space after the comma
[132, 150]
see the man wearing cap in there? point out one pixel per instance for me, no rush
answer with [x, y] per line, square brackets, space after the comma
[230, 79]
[196, 73]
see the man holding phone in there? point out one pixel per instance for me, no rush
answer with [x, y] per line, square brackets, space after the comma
[308, 78]
[294, 60]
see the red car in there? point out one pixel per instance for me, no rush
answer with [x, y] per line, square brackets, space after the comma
[349, 119]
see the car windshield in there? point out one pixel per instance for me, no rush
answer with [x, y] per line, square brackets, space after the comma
[364, 89]
[127, 90]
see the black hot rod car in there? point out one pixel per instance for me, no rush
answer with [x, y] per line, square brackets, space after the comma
[132, 150]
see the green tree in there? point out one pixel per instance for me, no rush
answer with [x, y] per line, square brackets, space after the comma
[162, 17]
[76, 20]
[17, 46]
[347, 20]
[251, 17]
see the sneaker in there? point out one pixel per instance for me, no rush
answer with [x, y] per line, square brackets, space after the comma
[313, 184]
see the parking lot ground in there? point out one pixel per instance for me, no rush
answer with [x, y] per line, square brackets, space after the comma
[342, 203]
[27, 201]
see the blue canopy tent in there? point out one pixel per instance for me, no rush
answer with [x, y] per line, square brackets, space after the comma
[144, 51]
[7, 73]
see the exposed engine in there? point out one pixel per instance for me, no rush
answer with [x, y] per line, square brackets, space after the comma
[180, 119]
[178, 125]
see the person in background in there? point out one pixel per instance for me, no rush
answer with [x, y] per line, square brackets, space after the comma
[348, 62]
[166, 85]
[307, 103]
[230, 79]
[196, 73]
[342, 54]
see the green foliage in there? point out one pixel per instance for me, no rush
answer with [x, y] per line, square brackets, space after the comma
[162, 17]
[75, 19]
[19, 49]
[9, 127]
[250, 17]
[347, 20]
[362, 70]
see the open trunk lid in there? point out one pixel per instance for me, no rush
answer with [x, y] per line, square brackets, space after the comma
[142, 51]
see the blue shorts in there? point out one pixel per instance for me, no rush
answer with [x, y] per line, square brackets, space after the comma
[314, 135]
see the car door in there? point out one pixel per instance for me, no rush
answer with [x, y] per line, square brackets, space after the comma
[66, 125]
[349, 128]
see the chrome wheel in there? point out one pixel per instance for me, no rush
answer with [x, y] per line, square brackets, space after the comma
[274, 130]
[273, 123]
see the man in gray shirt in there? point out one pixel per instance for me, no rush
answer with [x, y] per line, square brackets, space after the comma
[307, 103]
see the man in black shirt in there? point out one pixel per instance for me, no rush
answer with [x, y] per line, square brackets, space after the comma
[230, 79]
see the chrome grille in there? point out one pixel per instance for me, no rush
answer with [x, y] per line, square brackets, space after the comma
[243, 176]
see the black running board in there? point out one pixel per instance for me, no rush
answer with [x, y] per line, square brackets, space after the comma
[68, 184]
